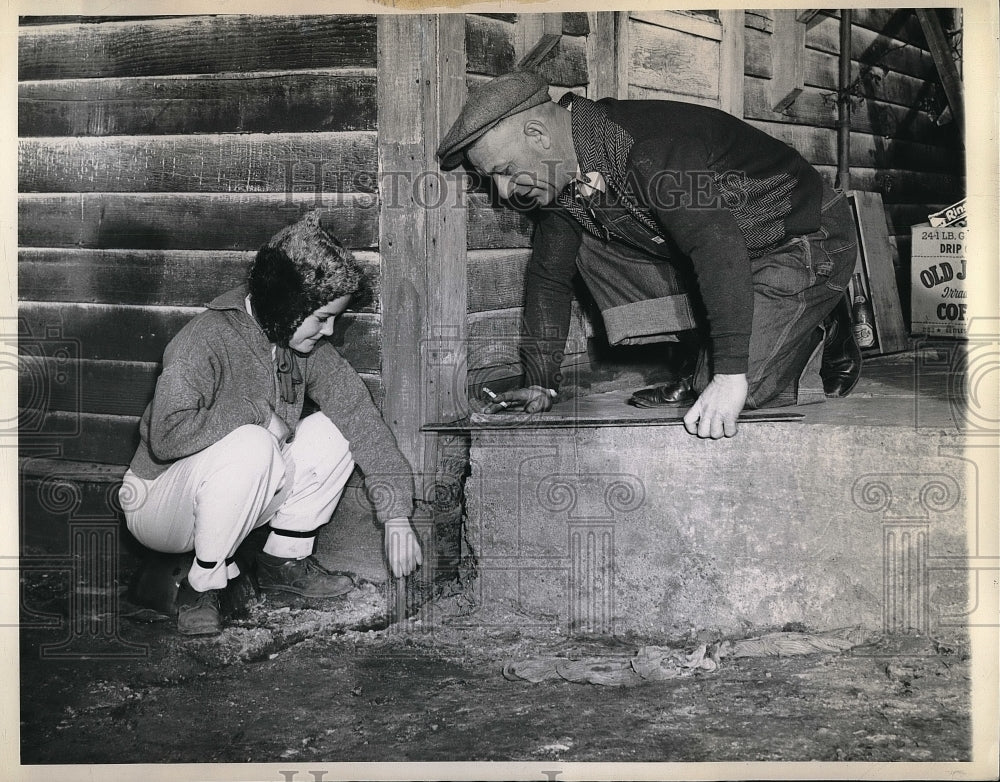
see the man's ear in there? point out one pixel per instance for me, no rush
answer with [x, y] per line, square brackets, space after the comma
[538, 133]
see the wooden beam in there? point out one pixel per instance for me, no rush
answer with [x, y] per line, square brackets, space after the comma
[422, 232]
[539, 52]
[788, 44]
[948, 71]
[731, 62]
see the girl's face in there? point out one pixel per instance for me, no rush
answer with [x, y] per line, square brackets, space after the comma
[317, 325]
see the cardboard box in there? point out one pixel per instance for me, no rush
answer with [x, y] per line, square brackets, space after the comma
[939, 296]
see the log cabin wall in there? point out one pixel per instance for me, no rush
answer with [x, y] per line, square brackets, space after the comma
[898, 147]
[156, 154]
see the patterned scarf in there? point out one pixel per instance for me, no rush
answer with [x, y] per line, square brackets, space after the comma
[604, 146]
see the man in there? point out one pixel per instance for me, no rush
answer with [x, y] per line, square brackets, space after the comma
[635, 195]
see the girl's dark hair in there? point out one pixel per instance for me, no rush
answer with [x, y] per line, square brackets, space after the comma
[299, 270]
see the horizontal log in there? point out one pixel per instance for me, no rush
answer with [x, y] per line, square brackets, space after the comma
[27, 21]
[873, 82]
[566, 64]
[226, 163]
[82, 437]
[645, 93]
[902, 217]
[493, 227]
[685, 22]
[898, 23]
[102, 387]
[86, 386]
[324, 102]
[506, 375]
[151, 277]
[757, 54]
[494, 338]
[673, 61]
[897, 186]
[759, 20]
[489, 45]
[868, 46]
[818, 108]
[502, 17]
[819, 146]
[575, 23]
[496, 279]
[133, 333]
[205, 44]
[166, 221]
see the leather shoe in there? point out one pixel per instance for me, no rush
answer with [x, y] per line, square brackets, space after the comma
[677, 393]
[841, 367]
[198, 613]
[304, 577]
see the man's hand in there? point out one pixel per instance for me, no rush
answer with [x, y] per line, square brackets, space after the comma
[402, 548]
[533, 399]
[715, 412]
[278, 428]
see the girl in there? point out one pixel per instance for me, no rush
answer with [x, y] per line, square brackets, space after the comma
[222, 448]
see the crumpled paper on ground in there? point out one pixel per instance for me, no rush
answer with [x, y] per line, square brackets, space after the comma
[659, 663]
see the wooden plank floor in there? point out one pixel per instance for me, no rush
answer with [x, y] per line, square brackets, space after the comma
[923, 388]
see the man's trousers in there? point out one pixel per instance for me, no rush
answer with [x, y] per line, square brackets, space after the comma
[642, 299]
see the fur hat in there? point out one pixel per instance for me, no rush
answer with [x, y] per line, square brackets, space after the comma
[299, 270]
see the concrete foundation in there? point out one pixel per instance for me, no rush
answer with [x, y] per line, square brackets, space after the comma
[850, 516]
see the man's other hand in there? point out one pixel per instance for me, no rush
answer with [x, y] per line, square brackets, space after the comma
[533, 399]
[715, 412]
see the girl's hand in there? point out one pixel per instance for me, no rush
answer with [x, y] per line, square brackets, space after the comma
[402, 547]
[278, 428]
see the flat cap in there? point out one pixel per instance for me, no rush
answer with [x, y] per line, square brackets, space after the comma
[487, 106]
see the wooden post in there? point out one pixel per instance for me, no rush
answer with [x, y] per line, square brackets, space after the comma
[422, 220]
[601, 59]
[788, 44]
[844, 103]
[623, 51]
[731, 62]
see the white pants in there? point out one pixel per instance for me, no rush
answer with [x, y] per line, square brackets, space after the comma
[210, 501]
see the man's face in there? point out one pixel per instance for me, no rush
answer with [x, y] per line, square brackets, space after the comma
[521, 164]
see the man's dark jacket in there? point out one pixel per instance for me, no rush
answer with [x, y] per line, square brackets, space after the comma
[688, 181]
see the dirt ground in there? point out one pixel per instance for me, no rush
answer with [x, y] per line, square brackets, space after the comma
[297, 684]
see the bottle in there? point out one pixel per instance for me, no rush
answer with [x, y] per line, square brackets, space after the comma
[862, 315]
